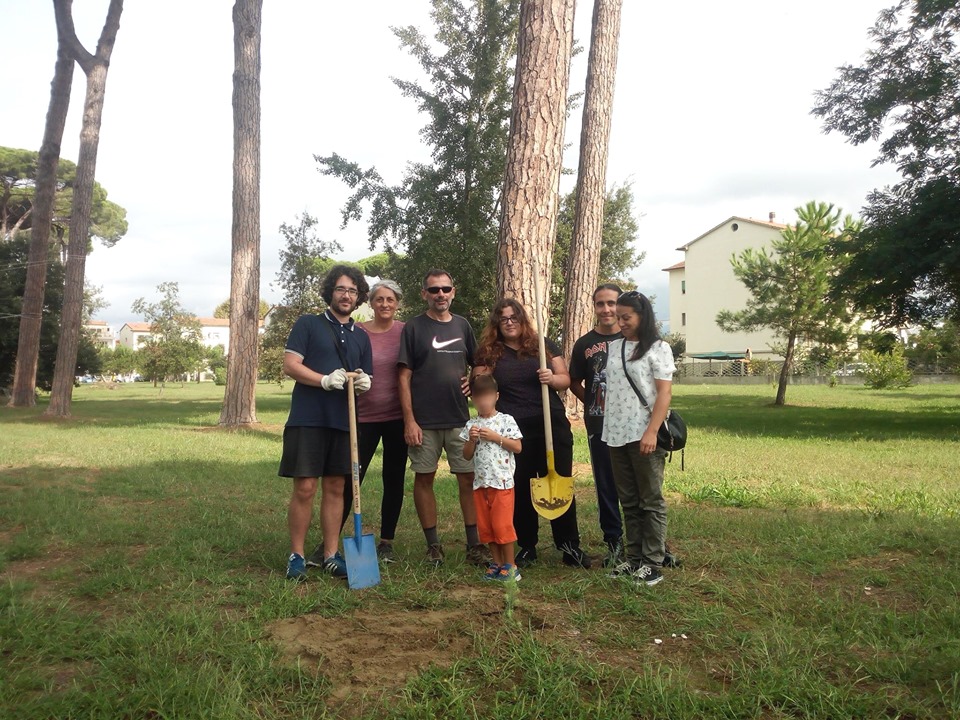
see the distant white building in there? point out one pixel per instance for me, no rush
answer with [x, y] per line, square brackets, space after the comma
[101, 333]
[213, 331]
[703, 284]
[134, 334]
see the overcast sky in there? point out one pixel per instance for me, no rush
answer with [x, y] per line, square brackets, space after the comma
[711, 119]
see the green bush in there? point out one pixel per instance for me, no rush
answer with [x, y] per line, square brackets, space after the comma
[220, 376]
[886, 370]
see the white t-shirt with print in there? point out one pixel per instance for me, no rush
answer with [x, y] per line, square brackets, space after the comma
[626, 419]
[493, 466]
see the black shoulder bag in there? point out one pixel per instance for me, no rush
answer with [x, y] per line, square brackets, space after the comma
[672, 435]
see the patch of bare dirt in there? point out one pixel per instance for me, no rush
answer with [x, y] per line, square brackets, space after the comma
[57, 475]
[373, 652]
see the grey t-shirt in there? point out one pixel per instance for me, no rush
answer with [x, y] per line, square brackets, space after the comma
[440, 355]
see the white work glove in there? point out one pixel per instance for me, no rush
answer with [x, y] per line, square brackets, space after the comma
[335, 380]
[361, 383]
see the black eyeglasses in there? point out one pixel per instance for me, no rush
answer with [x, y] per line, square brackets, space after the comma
[436, 289]
[341, 290]
[509, 320]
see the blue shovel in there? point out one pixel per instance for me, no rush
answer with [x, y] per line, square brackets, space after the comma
[360, 552]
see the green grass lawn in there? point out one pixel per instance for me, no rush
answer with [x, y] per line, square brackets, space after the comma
[142, 553]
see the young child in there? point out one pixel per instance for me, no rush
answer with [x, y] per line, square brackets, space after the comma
[491, 441]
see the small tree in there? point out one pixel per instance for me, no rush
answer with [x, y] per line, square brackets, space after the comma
[121, 360]
[886, 370]
[222, 311]
[790, 286]
[174, 348]
[304, 260]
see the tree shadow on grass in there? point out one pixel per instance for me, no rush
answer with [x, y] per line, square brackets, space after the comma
[149, 412]
[740, 415]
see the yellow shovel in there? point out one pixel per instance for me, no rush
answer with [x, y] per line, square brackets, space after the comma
[552, 494]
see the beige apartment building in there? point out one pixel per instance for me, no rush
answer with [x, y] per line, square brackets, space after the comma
[703, 284]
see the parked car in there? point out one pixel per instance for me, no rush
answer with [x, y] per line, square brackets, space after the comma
[851, 369]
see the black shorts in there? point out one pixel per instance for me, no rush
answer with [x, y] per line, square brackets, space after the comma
[314, 452]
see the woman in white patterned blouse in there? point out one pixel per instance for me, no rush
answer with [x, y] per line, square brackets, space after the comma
[630, 430]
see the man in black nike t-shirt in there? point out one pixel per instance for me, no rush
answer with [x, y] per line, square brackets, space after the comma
[436, 353]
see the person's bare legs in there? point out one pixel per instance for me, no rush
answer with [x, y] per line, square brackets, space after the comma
[300, 511]
[506, 554]
[331, 512]
[425, 500]
[497, 552]
[465, 486]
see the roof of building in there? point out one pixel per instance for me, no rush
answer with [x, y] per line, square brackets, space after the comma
[765, 223]
[96, 323]
[679, 266]
[214, 322]
[137, 326]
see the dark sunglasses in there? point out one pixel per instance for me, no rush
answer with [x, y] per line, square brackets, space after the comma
[627, 295]
[445, 289]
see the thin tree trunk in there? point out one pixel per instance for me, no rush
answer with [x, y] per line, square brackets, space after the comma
[31, 318]
[528, 220]
[785, 370]
[95, 66]
[584, 263]
[240, 399]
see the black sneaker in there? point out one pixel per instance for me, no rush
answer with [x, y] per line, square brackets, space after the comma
[615, 554]
[385, 553]
[526, 557]
[575, 557]
[649, 575]
[315, 559]
[670, 560]
[624, 569]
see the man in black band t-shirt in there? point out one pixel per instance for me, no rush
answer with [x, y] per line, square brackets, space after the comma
[588, 381]
[436, 351]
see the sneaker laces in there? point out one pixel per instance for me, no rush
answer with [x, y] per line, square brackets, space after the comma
[571, 550]
[624, 567]
[643, 571]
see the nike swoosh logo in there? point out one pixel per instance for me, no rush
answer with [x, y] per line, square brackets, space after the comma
[439, 345]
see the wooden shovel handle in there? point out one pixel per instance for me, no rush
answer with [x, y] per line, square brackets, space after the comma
[544, 390]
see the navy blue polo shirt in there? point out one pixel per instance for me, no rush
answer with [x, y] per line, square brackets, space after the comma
[314, 338]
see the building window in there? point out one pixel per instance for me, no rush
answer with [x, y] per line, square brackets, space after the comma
[683, 319]
[683, 287]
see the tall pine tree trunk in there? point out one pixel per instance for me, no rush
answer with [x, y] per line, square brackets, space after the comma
[239, 400]
[31, 318]
[95, 66]
[530, 197]
[591, 191]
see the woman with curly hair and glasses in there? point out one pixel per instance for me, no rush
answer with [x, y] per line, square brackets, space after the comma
[509, 350]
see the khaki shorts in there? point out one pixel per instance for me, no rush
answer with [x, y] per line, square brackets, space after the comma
[424, 457]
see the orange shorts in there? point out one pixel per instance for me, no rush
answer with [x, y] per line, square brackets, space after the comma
[495, 515]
